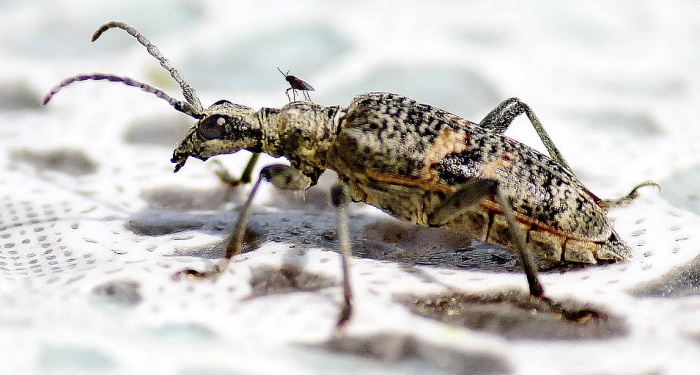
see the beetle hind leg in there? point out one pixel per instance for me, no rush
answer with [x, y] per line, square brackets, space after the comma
[633, 194]
[500, 118]
[471, 194]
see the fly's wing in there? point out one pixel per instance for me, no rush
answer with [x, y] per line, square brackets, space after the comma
[302, 85]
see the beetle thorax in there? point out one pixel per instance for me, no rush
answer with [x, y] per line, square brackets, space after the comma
[303, 132]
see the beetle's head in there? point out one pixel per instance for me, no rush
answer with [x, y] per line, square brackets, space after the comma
[223, 128]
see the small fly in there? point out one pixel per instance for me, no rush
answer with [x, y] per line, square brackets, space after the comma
[296, 84]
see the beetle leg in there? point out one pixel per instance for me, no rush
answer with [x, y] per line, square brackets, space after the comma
[288, 97]
[500, 118]
[467, 196]
[282, 176]
[627, 199]
[226, 177]
[472, 193]
[524, 253]
[340, 198]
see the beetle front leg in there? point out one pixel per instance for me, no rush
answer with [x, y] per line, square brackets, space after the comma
[282, 176]
[471, 194]
[500, 118]
[226, 177]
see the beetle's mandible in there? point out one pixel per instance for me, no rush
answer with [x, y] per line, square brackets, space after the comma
[414, 161]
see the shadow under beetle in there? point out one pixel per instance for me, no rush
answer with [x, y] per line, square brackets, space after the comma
[414, 161]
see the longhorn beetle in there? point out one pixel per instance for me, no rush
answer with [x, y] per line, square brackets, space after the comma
[414, 161]
[296, 84]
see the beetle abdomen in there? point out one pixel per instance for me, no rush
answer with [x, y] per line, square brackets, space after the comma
[392, 140]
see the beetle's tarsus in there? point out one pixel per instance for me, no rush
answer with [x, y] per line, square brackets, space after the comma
[632, 195]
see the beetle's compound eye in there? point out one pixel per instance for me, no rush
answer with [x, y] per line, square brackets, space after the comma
[213, 127]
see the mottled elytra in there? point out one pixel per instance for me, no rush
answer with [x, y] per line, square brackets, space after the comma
[296, 84]
[416, 162]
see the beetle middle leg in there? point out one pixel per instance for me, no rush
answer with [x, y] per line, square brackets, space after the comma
[500, 118]
[340, 196]
[471, 194]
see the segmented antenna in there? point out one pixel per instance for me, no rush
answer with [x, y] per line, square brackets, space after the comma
[189, 93]
[179, 105]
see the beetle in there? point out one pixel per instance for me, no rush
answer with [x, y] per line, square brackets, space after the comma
[416, 162]
[296, 84]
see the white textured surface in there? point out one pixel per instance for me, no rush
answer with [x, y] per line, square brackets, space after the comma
[93, 223]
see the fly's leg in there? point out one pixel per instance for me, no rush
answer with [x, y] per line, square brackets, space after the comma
[500, 118]
[226, 177]
[282, 176]
[472, 193]
[340, 198]
[627, 199]
[306, 95]
[294, 93]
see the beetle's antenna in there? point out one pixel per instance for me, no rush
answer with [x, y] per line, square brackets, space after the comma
[189, 93]
[285, 75]
[179, 105]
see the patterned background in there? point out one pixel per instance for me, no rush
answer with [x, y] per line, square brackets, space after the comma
[93, 222]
